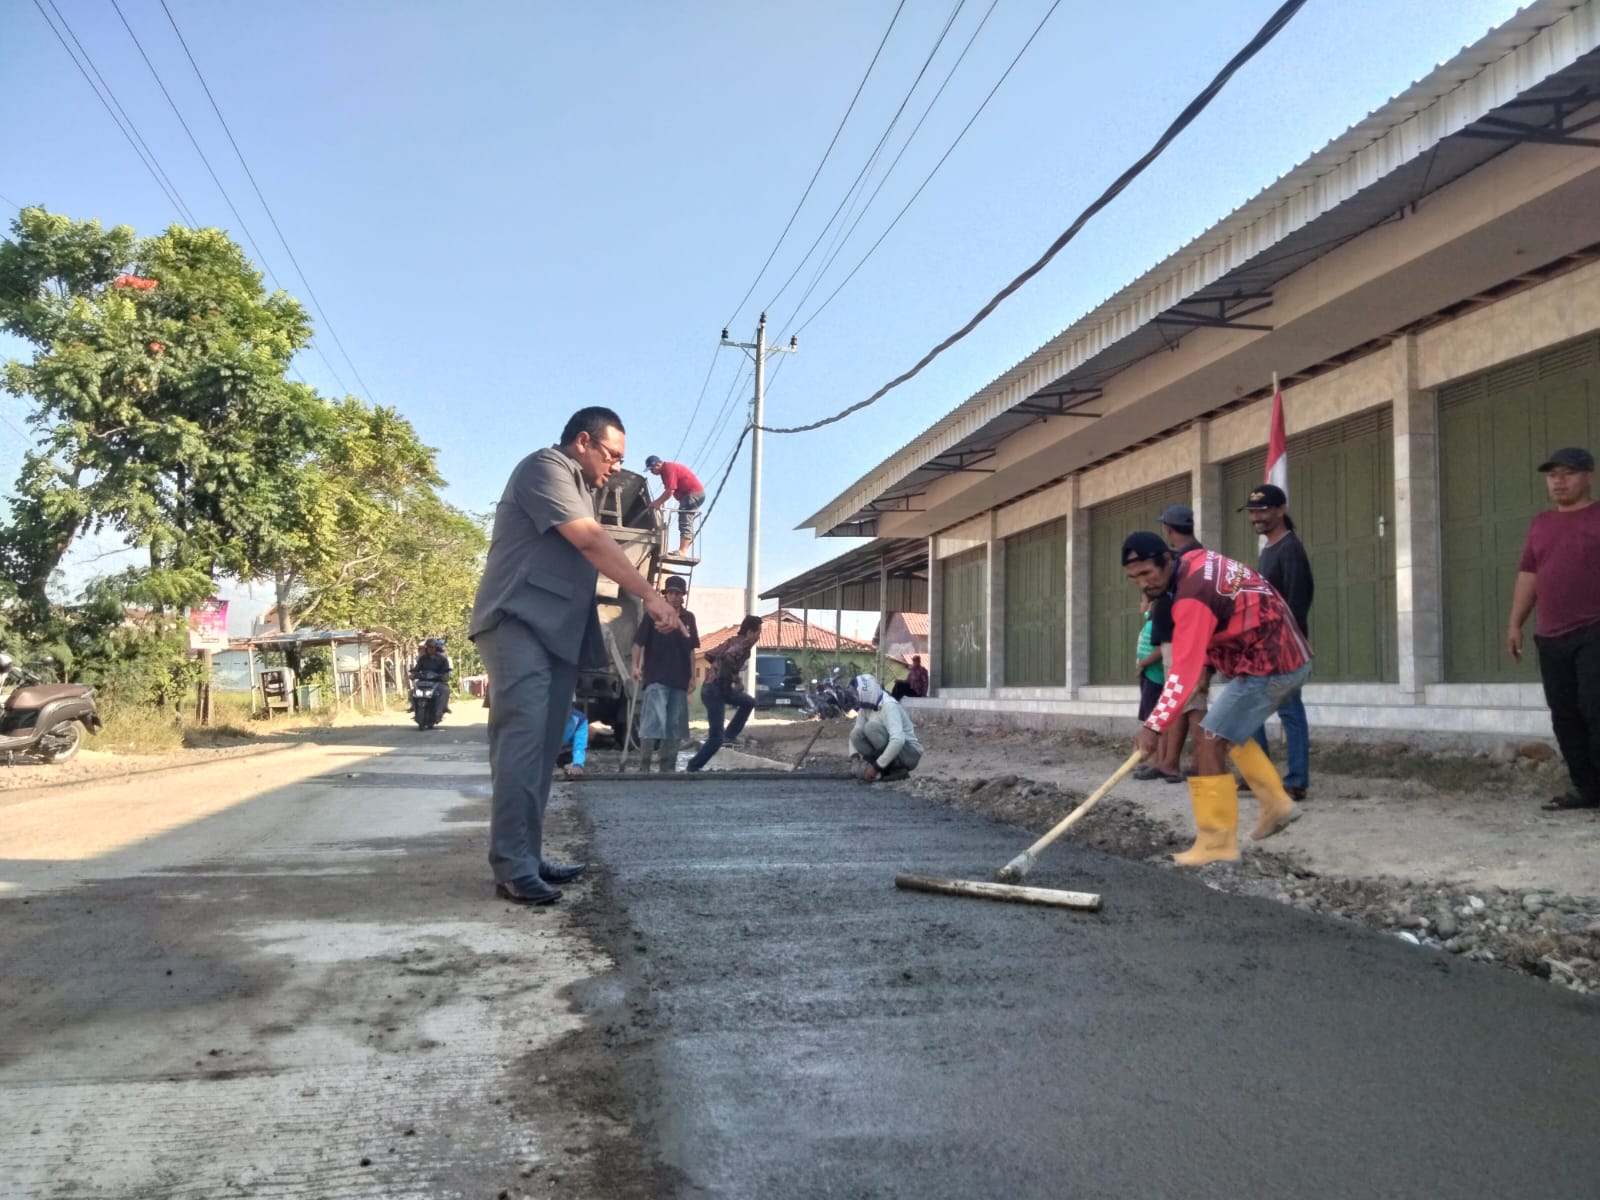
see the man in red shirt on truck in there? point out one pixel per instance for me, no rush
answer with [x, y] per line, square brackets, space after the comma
[681, 485]
[1226, 617]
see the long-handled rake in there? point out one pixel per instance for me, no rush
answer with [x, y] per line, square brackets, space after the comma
[1017, 869]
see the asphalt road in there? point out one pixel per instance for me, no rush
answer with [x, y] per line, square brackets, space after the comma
[798, 1028]
[287, 977]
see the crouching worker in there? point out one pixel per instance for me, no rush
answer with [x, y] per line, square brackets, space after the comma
[883, 745]
[1227, 617]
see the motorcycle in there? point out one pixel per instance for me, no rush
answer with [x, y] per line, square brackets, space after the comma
[829, 697]
[430, 697]
[44, 722]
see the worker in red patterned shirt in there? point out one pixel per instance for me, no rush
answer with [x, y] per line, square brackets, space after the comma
[681, 485]
[1227, 617]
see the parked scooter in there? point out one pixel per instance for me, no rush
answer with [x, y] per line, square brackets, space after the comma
[43, 722]
[829, 696]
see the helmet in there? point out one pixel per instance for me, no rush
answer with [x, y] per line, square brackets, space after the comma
[868, 693]
[651, 463]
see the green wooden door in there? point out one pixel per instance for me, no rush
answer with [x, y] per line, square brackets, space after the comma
[1036, 606]
[964, 627]
[1341, 496]
[1114, 618]
[1494, 431]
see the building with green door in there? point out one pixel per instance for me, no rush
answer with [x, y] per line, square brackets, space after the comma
[1427, 290]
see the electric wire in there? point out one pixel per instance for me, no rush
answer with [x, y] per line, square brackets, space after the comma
[173, 104]
[724, 411]
[823, 162]
[873, 157]
[1270, 30]
[929, 177]
[732, 459]
[906, 145]
[244, 228]
[113, 107]
[267, 208]
[699, 400]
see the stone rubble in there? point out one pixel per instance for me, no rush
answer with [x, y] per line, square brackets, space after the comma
[1553, 937]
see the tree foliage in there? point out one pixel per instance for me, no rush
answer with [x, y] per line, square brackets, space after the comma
[157, 374]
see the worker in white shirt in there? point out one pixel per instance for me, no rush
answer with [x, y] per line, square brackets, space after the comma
[883, 744]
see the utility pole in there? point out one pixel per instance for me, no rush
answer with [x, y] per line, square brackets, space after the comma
[758, 351]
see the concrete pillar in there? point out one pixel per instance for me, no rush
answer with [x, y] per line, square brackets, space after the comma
[1210, 505]
[935, 616]
[1077, 585]
[995, 651]
[1418, 549]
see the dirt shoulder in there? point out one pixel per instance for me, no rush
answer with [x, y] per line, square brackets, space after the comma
[1447, 850]
[94, 765]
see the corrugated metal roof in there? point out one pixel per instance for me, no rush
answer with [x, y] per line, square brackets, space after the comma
[1327, 199]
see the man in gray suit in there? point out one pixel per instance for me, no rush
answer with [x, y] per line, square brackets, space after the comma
[534, 623]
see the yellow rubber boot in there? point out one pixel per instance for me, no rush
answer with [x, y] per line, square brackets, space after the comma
[1278, 812]
[1216, 821]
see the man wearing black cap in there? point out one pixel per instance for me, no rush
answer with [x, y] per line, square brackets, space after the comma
[663, 665]
[1227, 618]
[1284, 565]
[1177, 527]
[684, 486]
[1557, 577]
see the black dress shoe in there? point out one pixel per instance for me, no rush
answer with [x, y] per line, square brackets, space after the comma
[560, 872]
[527, 889]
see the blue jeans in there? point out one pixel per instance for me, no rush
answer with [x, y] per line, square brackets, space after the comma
[1297, 738]
[717, 702]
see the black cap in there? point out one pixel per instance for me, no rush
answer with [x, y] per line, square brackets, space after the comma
[1268, 495]
[1142, 547]
[1178, 516]
[675, 583]
[1575, 457]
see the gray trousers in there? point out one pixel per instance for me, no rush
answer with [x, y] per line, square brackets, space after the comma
[532, 695]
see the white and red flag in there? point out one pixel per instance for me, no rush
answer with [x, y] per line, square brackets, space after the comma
[1277, 443]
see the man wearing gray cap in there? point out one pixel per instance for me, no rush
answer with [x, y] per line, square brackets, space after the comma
[1556, 577]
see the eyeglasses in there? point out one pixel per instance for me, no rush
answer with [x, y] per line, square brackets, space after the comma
[612, 456]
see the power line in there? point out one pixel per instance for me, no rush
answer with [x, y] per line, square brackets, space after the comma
[278, 229]
[227, 199]
[876, 150]
[732, 459]
[726, 410]
[929, 177]
[113, 107]
[1270, 30]
[881, 43]
[704, 384]
[949, 75]
[173, 104]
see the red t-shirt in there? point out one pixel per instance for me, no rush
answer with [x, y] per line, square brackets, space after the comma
[1227, 617]
[1562, 554]
[679, 480]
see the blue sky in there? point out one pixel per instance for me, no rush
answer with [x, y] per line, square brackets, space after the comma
[509, 210]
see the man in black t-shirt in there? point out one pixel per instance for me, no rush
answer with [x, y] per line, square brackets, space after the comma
[663, 664]
[1286, 567]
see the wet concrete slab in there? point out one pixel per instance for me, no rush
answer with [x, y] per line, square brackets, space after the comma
[811, 1031]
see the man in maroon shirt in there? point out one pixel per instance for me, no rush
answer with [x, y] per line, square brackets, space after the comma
[681, 485]
[1557, 578]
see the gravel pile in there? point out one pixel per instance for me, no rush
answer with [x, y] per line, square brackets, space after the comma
[1553, 937]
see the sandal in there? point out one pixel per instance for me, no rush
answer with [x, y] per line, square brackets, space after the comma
[1568, 800]
[1146, 772]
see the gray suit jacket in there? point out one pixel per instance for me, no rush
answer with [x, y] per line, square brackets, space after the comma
[533, 573]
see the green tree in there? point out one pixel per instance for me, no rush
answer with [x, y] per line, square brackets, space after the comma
[157, 379]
